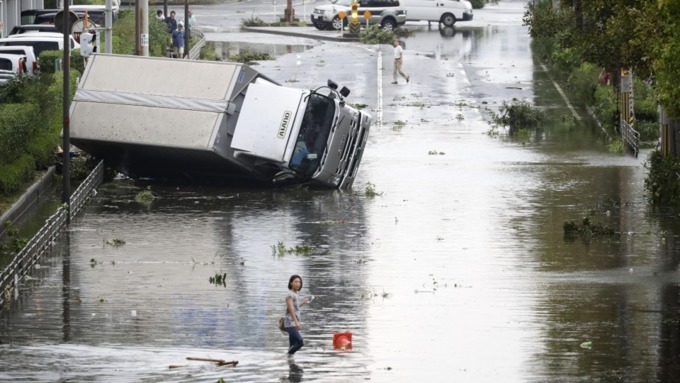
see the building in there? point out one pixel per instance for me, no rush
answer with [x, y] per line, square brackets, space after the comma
[10, 13]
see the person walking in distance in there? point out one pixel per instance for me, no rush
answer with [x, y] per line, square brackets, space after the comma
[178, 40]
[292, 317]
[398, 61]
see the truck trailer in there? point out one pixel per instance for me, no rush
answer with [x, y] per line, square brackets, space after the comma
[209, 121]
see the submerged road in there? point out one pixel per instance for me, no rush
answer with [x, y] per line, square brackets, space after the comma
[447, 261]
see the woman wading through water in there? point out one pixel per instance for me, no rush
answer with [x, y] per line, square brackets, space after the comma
[292, 317]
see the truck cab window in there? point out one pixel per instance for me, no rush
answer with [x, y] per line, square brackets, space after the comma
[313, 138]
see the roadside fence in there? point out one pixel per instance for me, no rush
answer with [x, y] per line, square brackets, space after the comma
[44, 239]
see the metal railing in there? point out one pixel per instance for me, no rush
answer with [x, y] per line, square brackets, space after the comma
[630, 137]
[195, 51]
[44, 239]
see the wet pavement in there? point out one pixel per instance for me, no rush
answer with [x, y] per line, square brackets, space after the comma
[455, 269]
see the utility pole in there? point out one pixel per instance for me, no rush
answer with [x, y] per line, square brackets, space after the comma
[66, 150]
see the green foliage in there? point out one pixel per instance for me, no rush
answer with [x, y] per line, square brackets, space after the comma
[479, 4]
[646, 104]
[370, 191]
[123, 39]
[616, 146]
[254, 22]
[649, 130]
[582, 83]
[218, 279]
[17, 122]
[14, 174]
[12, 245]
[587, 229]
[280, 249]
[605, 107]
[115, 242]
[208, 53]
[518, 115]
[13, 91]
[145, 197]
[373, 34]
[565, 60]
[662, 183]
[247, 56]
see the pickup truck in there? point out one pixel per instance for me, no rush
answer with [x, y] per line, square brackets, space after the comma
[215, 121]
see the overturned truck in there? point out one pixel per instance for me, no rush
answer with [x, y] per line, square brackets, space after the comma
[214, 122]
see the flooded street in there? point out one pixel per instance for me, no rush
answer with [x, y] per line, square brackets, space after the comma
[454, 268]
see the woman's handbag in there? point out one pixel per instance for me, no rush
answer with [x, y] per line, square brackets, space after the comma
[282, 327]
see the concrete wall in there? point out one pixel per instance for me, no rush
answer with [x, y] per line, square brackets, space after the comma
[35, 195]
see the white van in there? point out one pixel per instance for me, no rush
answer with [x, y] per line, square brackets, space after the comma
[446, 12]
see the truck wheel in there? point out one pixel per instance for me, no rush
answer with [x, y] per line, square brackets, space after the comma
[337, 23]
[389, 24]
[448, 19]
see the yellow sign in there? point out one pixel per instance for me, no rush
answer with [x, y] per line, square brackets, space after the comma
[367, 15]
[342, 14]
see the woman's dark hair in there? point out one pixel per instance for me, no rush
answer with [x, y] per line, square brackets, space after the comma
[292, 278]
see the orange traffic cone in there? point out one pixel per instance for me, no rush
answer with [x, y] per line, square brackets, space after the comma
[342, 340]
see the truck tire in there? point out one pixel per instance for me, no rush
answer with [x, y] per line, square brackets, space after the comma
[389, 23]
[448, 19]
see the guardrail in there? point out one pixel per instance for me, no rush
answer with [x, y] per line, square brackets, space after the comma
[630, 137]
[45, 238]
[195, 51]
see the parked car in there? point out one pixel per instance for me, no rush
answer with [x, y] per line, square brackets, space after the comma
[19, 29]
[13, 62]
[11, 65]
[25, 51]
[446, 12]
[389, 14]
[40, 41]
[96, 14]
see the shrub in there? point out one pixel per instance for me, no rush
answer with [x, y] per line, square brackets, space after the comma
[208, 53]
[662, 183]
[649, 130]
[248, 57]
[565, 60]
[583, 82]
[13, 175]
[605, 107]
[17, 122]
[373, 34]
[519, 115]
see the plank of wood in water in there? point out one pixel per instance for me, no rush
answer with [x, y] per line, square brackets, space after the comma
[220, 362]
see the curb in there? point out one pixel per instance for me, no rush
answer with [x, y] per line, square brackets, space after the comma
[278, 31]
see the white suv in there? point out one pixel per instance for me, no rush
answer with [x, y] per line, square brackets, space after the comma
[389, 14]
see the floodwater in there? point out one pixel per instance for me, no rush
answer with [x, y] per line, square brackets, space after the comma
[456, 269]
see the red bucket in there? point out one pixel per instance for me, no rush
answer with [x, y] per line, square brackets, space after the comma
[342, 340]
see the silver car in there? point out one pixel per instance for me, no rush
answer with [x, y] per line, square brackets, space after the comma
[389, 14]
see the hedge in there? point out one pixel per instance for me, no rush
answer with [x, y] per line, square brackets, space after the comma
[15, 174]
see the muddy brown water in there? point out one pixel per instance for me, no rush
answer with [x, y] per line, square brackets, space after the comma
[457, 269]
